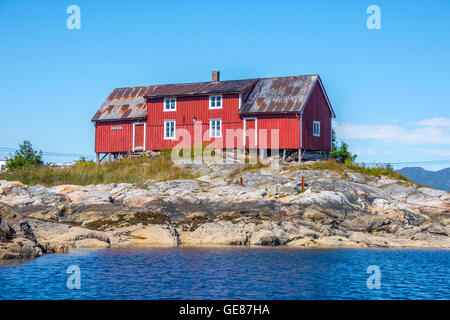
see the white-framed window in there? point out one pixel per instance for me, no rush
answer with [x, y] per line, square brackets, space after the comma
[215, 128]
[170, 104]
[316, 128]
[215, 102]
[169, 129]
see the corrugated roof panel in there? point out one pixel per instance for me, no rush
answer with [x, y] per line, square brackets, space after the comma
[279, 95]
[199, 88]
[123, 103]
[269, 95]
[134, 97]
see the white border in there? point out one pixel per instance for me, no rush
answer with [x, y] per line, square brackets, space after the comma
[220, 128]
[221, 101]
[164, 105]
[318, 123]
[256, 130]
[134, 134]
[174, 130]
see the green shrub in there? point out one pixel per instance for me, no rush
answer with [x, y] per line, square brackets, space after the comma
[341, 152]
[335, 166]
[26, 156]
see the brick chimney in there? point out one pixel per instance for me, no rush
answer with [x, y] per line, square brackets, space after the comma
[216, 76]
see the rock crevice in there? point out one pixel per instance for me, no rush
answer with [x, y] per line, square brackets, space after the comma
[268, 209]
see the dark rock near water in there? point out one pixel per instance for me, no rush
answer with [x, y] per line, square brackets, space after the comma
[17, 240]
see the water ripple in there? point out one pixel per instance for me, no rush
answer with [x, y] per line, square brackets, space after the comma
[231, 273]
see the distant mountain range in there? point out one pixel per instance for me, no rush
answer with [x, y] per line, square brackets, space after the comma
[435, 179]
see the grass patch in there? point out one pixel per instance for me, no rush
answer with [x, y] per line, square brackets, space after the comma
[191, 224]
[105, 222]
[144, 218]
[248, 168]
[159, 168]
[341, 168]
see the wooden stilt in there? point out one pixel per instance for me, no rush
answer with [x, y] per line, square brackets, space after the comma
[103, 158]
[284, 154]
[263, 154]
[299, 155]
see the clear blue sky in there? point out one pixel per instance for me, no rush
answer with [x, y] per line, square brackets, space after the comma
[390, 88]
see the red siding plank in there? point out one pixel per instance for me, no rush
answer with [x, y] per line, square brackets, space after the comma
[316, 110]
[186, 109]
[108, 137]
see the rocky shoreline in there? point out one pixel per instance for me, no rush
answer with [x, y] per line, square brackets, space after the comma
[268, 209]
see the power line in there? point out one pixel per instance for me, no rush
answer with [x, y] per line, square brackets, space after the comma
[431, 162]
[5, 150]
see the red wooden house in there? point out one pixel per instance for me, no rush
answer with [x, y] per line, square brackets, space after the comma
[287, 113]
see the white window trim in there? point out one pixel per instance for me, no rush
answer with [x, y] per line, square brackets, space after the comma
[210, 131]
[164, 105]
[174, 130]
[318, 127]
[221, 102]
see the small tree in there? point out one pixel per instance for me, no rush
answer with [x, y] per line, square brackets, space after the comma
[341, 152]
[24, 157]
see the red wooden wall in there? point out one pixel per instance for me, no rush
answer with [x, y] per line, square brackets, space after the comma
[108, 140]
[316, 110]
[186, 109]
[288, 126]
[293, 133]
[139, 136]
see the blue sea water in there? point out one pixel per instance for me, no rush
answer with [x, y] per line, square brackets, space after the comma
[231, 273]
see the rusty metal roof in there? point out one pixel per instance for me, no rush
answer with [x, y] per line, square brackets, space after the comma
[279, 95]
[129, 103]
[269, 95]
[123, 104]
[199, 88]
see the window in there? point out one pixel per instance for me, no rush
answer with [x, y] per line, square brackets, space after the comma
[169, 130]
[170, 104]
[316, 128]
[215, 128]
[215, 102]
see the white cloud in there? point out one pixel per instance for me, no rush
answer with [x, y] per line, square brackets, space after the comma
[435, 152]
[364, 151]
[438, 122]
[393, 133]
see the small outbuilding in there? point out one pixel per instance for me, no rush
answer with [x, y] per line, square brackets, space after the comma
[2, 165]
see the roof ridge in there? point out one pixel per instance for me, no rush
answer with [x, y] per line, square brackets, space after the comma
[299, 75]
[187, 83]
[198, 82]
